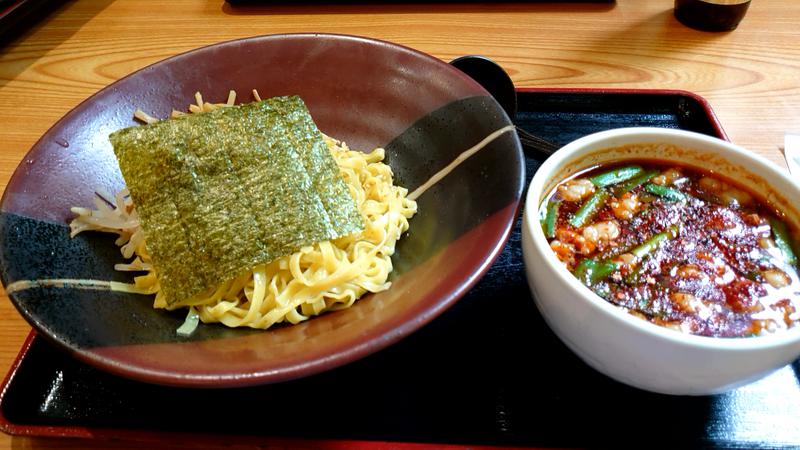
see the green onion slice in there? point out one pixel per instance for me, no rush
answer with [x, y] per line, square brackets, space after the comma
[615, 176]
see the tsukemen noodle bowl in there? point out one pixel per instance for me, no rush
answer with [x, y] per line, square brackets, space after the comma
[415, 112]
[666, 259]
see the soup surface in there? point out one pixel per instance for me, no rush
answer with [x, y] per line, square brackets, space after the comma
[678, 247]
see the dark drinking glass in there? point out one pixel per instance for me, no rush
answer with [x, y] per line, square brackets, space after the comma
[711, 15]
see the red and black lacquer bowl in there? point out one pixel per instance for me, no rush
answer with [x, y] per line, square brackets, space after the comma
[365, 92]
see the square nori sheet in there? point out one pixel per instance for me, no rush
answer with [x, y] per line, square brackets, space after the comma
[218, 193]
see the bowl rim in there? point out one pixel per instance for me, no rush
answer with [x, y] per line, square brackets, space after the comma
[632, 135]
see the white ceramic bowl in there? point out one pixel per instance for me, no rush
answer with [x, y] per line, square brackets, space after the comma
[611, 340]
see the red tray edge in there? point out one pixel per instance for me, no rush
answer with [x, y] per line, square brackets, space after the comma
[167, 437]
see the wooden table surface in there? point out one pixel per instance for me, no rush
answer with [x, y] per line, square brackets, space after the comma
[751, 76]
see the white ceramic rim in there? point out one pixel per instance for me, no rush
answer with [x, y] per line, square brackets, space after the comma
[645, 135]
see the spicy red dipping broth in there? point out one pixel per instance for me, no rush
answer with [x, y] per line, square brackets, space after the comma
[677, 246]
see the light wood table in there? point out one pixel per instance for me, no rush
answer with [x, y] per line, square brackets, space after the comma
[750, 76]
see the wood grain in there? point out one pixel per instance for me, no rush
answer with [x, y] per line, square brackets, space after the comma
[751, 76]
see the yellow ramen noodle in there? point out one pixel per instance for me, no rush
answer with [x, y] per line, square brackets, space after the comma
[326, 276]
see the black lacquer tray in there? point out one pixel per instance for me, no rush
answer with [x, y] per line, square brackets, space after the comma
[486, 372]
